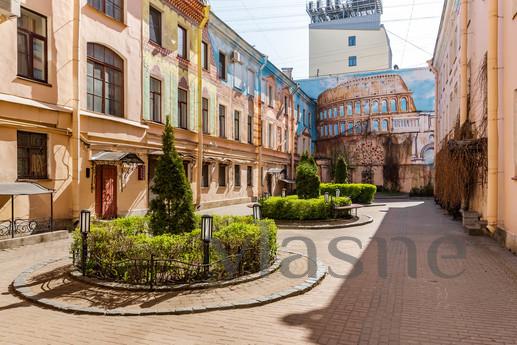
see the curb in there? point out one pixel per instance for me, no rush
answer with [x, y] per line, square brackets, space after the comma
[33, 239]
[22, 290]
[362, 220]
[75, 274]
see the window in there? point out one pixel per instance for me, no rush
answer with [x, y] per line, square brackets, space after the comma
[112, 8]
[278, 139]
[182, 109]
[375, 107]
[270, 95]
[222, 121]
[351, 41]
[251, 83]
[237, 176]
[403, 105]
[32, 45]
[343, 128]
[304, 119]
[384, 106]
[298, 113]
[384, 125]
[105, 88]
[155, 25]
[182, 43]
[358, 108]
[375, 125]
[336, 129]
[206, 128]
[186, 165]
[222, 66]
[286, 106]
[32, 155]
[250, 129]
[141, 173]
[342, 110]
[250, 176]
[286, 140]
[352, 61]
[393, 106]
[309, 124]
[237, 125]
[204, 52]
[349, 109]
[366, 107]
[222, 175]
[156, 100]
[205, 176]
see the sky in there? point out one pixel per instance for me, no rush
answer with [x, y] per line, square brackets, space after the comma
[279, 29]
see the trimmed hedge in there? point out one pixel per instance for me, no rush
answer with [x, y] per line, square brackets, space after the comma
[120, 250]
[293, 208]
[359, 193]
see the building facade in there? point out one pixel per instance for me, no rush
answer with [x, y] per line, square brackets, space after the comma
[90, 84]
[360, 41]
[475, 68]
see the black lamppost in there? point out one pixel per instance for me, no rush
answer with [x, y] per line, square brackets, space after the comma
[326, 197]
[84, 222]
[206, 235]
[256, 212]
[284, 192]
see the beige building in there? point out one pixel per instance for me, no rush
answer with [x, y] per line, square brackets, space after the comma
[347, 36]
[476, 73]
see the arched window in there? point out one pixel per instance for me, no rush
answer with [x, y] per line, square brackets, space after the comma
[393, 105]
[343, 128]
[336, 130]
[384, 106]
[375, 125]
[349, 109]
[105, 81]
[403, 105]
[366, 107]
[358, 127]
[384, 125]
[375, 107]
[358, 108]
[342, 110]
[365, 126]
[350, 129]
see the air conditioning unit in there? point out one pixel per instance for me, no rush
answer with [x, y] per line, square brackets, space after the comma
[236, 57]
[10, 8]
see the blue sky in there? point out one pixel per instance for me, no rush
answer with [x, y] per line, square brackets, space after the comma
[279, 29]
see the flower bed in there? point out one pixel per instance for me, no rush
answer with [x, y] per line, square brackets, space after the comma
[123, 251]
[359, 193]
[293, 208]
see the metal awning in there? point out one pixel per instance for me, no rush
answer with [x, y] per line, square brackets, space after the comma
[23, 188]
[275, 171]
[287, 181]
[123, 157]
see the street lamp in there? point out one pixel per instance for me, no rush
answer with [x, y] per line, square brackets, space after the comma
[326, 197]
[206, 235]
[284, 192]
[338, 193]
[84, 222]
[256, 212]
[266, 195]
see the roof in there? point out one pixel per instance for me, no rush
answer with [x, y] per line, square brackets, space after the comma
[23, 188]
[124, 157]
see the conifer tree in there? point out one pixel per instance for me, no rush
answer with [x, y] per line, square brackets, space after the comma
[341, 174]
[172, 210]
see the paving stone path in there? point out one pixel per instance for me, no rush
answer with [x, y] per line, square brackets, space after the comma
[387, 301]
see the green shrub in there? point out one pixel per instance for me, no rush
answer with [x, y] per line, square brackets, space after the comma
[121, 251]
[359, 193]
[293, 208]
[307, 178]
[341, 173]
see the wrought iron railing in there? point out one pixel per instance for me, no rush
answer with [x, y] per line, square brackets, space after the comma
[24, 227]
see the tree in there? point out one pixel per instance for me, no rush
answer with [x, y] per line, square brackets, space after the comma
[307, 178]
[172, 210]
[341, 174]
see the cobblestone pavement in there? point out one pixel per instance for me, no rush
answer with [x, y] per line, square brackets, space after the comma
[389, 300]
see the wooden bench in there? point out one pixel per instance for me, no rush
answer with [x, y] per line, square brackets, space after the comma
[353, 207]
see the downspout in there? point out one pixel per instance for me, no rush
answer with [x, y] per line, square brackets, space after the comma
[200, 133]
[293, 131]
[76, 116]
[464, 19]
[493, 99]
[260, 141]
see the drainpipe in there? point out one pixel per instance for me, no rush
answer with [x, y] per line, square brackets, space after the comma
[464, 19]
[200, 133]
[260, 145]
[76, 117]
[493, 99]
[293, 131]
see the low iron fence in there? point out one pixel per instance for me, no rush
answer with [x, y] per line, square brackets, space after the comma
[24, 227]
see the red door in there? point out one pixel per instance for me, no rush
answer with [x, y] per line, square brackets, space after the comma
[106, 191]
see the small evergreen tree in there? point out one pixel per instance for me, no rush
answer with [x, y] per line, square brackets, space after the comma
[172, 210]
[307, 178]
[341, 174]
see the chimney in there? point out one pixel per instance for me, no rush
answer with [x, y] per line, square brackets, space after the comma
[288, 71]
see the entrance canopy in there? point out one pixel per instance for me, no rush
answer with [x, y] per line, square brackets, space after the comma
[122, 157]
[287, 181]
[22, 188]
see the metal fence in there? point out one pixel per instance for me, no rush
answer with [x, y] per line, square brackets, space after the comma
[24, 227]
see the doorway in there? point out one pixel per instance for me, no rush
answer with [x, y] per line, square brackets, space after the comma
[106, 192]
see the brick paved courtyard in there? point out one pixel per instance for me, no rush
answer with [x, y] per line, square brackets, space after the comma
[387, 302]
